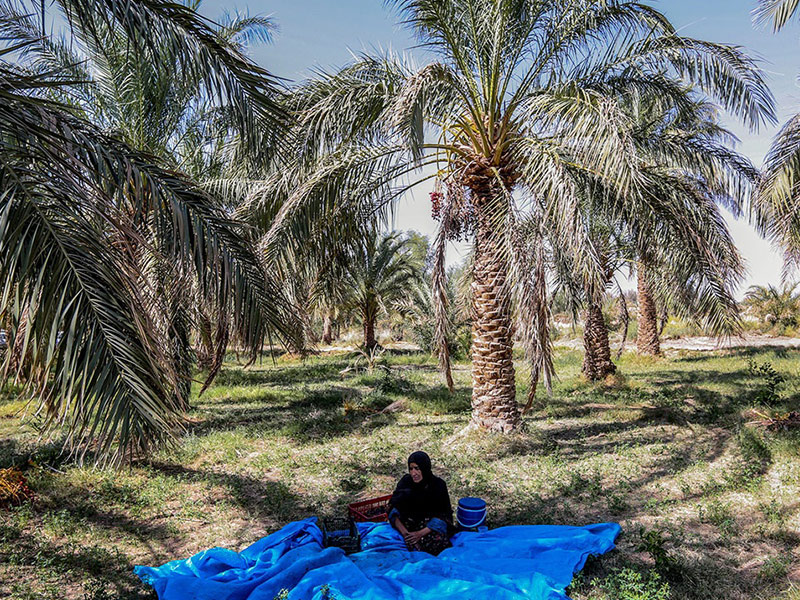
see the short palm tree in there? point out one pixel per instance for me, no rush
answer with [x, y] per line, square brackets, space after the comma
[777, 307]
[381, 271]
[79, 203]
[519, 99]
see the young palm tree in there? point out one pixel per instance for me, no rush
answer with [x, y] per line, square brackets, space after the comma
[380, 272]
[778, 307]
[77, 204]
[520, 97]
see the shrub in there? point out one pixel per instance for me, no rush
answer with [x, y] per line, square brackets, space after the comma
[653, 542]
[769, 380]
[627, 584]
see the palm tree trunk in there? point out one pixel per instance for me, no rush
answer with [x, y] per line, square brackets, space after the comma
[327, 328]
[597, 356]
[205, 344]
[647, 341]
[16, 358]
[369, 329]
[494, 403]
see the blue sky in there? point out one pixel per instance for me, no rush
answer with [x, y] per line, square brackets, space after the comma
[323, 33]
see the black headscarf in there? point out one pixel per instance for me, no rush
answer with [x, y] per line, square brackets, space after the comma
[426, 499]
[423, 461]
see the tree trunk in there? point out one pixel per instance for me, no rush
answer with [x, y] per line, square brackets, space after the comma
[16, 359]
[597, 355]
[327, 329]
[647, 341]
[369, 330]
[205, 343]
[494, 403]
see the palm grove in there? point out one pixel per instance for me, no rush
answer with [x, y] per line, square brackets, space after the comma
[163, 198]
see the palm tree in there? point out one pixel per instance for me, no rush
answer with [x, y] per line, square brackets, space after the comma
[380, 272]
[776, 210]
[520, 97]
[701, 171]
[778, 307]
[609, 245]
[80, 203]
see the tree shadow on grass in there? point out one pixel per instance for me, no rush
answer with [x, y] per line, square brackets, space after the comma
[438, 399]
[72, 562]
[781, 352]
[315, 416]
[265, 499]
[291, 374]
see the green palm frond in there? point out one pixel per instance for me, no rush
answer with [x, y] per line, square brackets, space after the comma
[775, 12]
[775, 211]
[72, 199]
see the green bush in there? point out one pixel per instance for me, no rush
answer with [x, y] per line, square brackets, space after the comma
[627, 584]
[653, 542]
[769, 380]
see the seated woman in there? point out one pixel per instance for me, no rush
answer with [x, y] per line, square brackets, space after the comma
[420, 507]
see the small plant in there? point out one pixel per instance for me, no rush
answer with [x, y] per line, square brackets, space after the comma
[773, 512]
[653, 542]
[577, 484]
[627, 584]
[617, 504]
[770, 380]
[394, 384]
[720, 515]
[96, 589]
[774, 568]
[368, 361]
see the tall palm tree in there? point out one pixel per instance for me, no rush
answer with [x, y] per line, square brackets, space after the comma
[776, 210]
[77, 201]
[380, 272]
[688, 261]
[521, 95]
[698, 169]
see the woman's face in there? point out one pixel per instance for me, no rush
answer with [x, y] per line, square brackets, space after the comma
[415, 472]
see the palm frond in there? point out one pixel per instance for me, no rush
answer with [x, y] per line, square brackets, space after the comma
[775, 12]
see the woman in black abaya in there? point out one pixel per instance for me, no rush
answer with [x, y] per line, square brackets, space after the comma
[420, 507]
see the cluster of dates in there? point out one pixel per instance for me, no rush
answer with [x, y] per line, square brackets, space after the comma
[462, 212]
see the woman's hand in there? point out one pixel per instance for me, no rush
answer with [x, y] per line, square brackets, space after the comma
[413, 537]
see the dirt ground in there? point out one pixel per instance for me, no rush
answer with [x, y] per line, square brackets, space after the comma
[705, 343]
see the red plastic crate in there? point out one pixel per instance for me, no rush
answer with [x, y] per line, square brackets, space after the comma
[374, 510]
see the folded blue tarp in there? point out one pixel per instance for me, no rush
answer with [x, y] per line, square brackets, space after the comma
[509, 563]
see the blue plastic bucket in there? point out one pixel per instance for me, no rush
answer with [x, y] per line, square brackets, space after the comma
[471, 512]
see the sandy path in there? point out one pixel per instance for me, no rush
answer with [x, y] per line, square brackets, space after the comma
[705, 343]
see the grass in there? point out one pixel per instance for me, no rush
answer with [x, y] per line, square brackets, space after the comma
[708, 504]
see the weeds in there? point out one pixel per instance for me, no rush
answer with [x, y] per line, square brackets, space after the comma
[719, 515]
[774, 568]
[769, 379]
[627, 584]
[653, 542]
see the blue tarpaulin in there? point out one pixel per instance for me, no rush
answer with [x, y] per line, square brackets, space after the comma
[509, 563]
